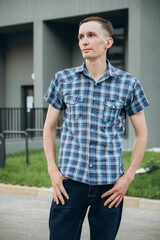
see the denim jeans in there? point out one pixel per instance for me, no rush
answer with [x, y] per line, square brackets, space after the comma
[65, 221]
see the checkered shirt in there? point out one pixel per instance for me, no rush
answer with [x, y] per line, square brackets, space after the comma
[94, 121]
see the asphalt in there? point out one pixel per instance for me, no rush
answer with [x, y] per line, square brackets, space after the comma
[26, 217]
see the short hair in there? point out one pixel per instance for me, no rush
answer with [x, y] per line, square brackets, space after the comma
[106, 24]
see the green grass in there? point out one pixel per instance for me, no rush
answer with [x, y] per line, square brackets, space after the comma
[145, 185]
[36, 174]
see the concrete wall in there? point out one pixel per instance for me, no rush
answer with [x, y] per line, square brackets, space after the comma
[18, 66]
[52, 52]
[57, 47]
[38, 62]
[77, 58]
[150, 69]
[21, 11]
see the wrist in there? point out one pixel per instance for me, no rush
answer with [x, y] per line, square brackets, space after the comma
[52, 167]
[129, 177]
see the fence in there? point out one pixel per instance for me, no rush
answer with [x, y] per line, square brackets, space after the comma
[19, 119]
[20, 123]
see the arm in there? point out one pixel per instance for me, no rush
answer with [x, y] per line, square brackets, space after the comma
[122, 184]
[49, 141]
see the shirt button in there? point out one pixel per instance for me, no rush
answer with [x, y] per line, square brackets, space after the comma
[95, 84]
[92, 130]
[94, 98]
[92, 114]
[90, 165]
[91, 147]
[113, 106]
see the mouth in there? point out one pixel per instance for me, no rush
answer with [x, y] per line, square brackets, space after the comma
[86, 49]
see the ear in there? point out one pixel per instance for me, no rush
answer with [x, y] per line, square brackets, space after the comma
[109, 42]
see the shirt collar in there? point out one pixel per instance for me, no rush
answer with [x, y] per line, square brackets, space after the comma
[111, 71]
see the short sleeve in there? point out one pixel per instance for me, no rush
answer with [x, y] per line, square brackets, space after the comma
[137, 100]
[54, 96]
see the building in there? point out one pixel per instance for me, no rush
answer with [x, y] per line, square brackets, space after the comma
[38, 38]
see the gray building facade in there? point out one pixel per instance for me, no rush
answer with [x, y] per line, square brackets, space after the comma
[38, 38]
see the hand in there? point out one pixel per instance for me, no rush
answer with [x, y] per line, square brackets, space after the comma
[58, 188]
[117, 192]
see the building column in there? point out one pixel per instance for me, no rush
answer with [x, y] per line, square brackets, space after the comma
[38, 63]
[134, 57]
[2, 75]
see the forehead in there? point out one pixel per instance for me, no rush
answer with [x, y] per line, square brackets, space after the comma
[91, 26]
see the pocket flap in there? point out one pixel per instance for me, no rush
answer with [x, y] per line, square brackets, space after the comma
[114, 104]
[71, 99]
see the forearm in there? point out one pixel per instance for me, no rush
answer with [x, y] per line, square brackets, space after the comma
[117, 193]
[137, 155]
[49, 142]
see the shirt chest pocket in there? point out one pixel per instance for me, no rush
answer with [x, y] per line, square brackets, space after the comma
[112, 111]
[74, 106]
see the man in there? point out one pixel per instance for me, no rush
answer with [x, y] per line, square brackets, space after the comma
[95, 98]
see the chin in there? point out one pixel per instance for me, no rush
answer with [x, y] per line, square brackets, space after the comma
[87, 56]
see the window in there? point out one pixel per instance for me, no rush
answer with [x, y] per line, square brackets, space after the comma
[116, 54]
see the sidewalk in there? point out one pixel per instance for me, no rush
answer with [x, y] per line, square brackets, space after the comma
[134, 202]
[24, 215]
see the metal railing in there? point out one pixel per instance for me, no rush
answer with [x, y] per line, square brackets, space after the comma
[25, 134]
[2, 151]
[20, 119]
[20, 123]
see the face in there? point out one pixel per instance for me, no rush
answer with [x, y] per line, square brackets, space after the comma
[93, 40]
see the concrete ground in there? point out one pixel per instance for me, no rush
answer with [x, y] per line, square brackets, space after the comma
[26, 217]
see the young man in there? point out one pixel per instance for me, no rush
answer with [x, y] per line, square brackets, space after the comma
[95, 98]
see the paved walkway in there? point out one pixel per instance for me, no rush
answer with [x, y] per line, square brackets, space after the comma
[26, 218]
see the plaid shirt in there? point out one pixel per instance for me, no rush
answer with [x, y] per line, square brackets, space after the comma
[94, 121]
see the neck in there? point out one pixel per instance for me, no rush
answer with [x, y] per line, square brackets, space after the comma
[96, 68]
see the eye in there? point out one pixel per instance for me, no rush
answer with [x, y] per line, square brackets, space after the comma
[80, 37]
[91, 35]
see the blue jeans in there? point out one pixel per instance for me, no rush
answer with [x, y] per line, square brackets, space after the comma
[65, 221]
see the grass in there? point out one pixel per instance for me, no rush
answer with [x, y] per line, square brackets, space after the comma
[145, 185]
[16, 172]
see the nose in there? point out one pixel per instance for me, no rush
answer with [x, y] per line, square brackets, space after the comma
[85, 40]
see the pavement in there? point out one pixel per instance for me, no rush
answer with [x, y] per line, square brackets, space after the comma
[24, 214]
